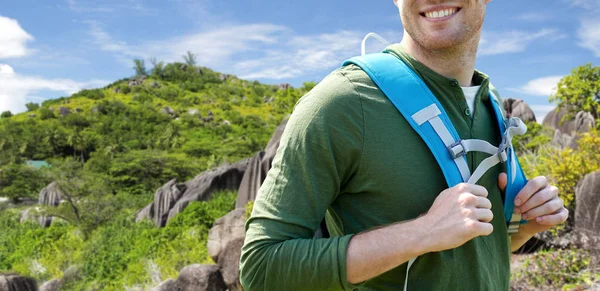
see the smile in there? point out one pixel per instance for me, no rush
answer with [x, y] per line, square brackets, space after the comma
[441, 13]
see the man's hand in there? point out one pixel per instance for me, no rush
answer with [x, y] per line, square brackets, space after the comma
[539, 204]
[458, 215]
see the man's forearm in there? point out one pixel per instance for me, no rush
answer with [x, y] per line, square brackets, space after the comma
[377, 251]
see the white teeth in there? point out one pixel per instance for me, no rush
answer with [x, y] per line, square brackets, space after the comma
[441, 13]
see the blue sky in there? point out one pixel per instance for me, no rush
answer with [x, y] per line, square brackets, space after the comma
[54, 48]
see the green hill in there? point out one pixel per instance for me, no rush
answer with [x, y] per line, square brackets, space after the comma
[176, 122]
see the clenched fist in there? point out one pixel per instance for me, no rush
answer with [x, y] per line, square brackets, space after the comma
[458, 215]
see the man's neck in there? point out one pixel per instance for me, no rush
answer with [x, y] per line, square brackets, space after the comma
[457, 63]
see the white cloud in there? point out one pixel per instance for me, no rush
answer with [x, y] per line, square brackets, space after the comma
[589, 35]
[13, 39]
[587, 4]
[544, 86]
[303, 55]
[494, 43]
[16, 89]
[251, 51]
[532, 17]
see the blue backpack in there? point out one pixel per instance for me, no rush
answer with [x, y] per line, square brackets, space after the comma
[426, 115]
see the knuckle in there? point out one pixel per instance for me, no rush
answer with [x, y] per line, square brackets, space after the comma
[466, 212]
[461, 187]
[471, 225]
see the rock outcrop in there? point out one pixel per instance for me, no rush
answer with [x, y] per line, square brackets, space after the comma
[173, 197]
[201, 188]
[201, 278]
[15, 282]
[225, 241]
[518, 108]
[567, 132]
[164, 199]
[52, 285]
[168, 285]
[64, 111]
[52, 195]
[587, 214]
[258, 167]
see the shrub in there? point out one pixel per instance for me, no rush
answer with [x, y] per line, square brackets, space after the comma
[6, 114]
[31, 106]
[556, 269]
[46, 113]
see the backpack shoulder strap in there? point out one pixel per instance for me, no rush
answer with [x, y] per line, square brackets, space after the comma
[420, 108]
[516, 178]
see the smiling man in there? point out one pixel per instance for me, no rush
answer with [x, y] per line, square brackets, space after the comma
[349, 156]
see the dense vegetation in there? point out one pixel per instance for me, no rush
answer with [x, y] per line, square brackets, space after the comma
[109, 149]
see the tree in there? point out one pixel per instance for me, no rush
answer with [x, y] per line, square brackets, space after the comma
[20, 181]
[139, 67]
[31, 106]
[6, 114]
[190, 58]
[580, 91]
[157, 67]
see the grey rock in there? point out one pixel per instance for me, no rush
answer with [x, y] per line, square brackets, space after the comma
[229, 263]
[169, 111]
[183, 67]
[52, 285]
[168, 285]
[136, 81]
[154, 85]
[146, 213]
[164, 199]
[64, 111]
[587, 214]
[284, 86]
[226, 123]
[225, 241]
[581, 122]
[52, 195]
[201, 278]
[569, 131]
[226, 229]
[117, 90]
[518, 108]
[72, 273]
[192, 111]
[15, 282]
[259, 165]
[201, 188]
[223, 77]
[79, 110]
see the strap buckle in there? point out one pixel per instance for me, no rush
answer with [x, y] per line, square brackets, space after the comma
[502, 149]
[457, 150]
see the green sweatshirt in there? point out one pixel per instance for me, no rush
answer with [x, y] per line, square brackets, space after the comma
[349, 155]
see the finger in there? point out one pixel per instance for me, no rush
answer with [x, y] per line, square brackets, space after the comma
[484, 215]
[539, 198]
[483, 202]
[476, 190]
[502, 181]
[554, 219]
[533, 186]
[547, 208]
[483, 228]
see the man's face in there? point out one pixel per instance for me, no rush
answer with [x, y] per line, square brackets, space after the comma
[442, 24]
